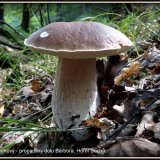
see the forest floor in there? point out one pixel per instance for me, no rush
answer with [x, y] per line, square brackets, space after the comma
[126, 124]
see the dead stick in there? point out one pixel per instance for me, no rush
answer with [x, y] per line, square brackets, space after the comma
[117, 131]
[10, 45]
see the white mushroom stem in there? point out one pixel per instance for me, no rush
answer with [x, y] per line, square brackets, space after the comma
[75, 96]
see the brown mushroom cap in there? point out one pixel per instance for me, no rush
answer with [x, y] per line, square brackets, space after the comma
[78, 40]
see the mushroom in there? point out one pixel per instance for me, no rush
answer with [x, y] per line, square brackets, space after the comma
[76, 44]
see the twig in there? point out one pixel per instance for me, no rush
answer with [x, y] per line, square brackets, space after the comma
[117, 131]
[10, 45]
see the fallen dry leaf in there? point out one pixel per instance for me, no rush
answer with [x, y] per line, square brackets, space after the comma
[144, 102]
[135, 147]
[147, 123]
[102, 111]
[35, 85]
[105, 125]
[127, 73]
[18, 108]
[156, 69]
[26, 91]
[18, 137]
[152, 58]
[102, 123]
[93, 122]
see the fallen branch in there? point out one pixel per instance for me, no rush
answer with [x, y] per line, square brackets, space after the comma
[10, 45]
[117, 131]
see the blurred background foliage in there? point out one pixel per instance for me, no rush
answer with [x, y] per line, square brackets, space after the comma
[140, 22]
[125, 17]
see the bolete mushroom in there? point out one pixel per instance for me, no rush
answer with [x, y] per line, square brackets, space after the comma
[76, 44]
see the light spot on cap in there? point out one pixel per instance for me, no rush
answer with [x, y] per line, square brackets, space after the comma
[44, 34]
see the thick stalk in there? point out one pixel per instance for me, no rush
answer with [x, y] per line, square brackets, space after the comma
[75, 96]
